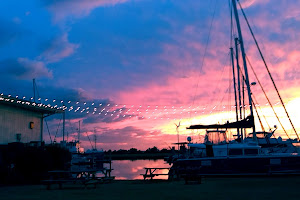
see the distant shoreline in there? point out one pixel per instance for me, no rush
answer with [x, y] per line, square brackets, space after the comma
[137, 156]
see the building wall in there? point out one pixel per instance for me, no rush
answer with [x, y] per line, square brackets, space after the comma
[15, 121]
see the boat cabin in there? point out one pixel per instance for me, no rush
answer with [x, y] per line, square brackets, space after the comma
[216, 145]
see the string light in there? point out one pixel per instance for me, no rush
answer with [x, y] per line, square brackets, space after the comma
[141, 111]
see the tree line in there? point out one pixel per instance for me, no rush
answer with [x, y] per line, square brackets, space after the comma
[153, 150]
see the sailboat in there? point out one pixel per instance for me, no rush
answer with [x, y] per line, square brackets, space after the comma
[245, 155]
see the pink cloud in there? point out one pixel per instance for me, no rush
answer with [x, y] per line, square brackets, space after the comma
[112, 137]
[77, 8]
[250, 3]
[58, 49]
[187, 78]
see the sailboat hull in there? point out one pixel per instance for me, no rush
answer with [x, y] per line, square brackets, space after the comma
[238, 166]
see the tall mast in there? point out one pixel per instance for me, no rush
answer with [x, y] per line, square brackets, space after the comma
[244, 62]
[239, 84]
[234, 85]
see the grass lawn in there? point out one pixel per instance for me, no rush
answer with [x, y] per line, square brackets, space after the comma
[283, 188]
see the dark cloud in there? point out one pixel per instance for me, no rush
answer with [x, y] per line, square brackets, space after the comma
[9, 32]
[108, 117]
[291, 24]
[279, 37]
[23, 68]
[62, 93]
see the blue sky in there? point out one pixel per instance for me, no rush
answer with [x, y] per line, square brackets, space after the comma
[139, 53]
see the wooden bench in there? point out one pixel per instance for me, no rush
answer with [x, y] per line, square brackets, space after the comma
[150, 172]
[63, 176]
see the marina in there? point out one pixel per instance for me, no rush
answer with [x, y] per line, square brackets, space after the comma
[219, 156]
[131, 99]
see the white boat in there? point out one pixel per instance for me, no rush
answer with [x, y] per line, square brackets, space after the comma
[256, 154]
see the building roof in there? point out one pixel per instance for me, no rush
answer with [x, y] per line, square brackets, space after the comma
[29, 105]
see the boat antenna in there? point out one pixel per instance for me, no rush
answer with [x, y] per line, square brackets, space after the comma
[35, 90]
[48, 131]
[262, 57]
[78, 136]
[177, 130]
[244, 62]
[64, 124]
[57, 130]
[95, 139]
[89, 139]
[33, 84]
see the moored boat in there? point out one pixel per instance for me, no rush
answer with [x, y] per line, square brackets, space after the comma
[255, 154]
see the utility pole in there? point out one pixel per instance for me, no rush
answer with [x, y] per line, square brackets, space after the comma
[79, 131]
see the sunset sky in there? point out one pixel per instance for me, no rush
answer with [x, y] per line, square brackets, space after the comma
[129, 70]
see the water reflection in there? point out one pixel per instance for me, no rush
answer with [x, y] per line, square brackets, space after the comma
[131, 169]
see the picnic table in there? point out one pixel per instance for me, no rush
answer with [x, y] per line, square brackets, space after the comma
[150, 172]
[85, 177]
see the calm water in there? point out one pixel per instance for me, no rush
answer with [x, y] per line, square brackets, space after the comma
[131, 169]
